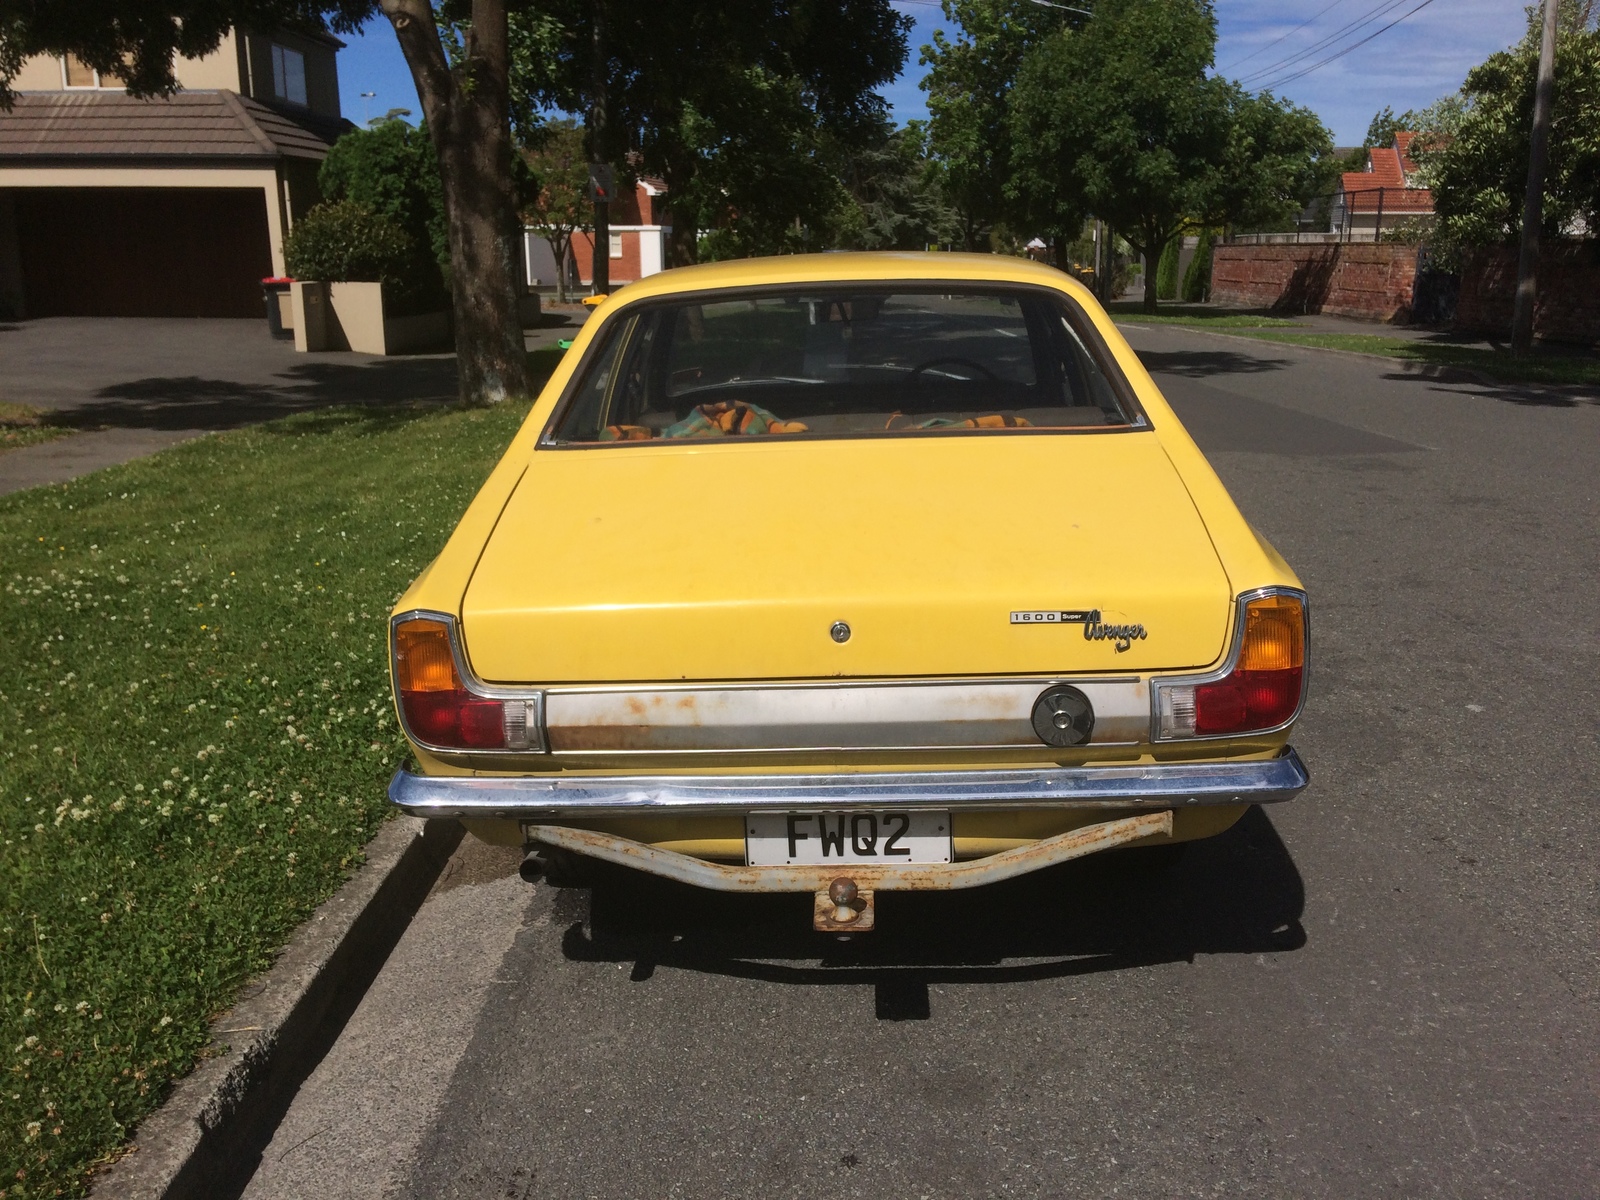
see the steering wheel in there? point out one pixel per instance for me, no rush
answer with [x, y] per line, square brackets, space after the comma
[916, 371]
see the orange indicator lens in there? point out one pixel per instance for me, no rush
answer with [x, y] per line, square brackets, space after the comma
[1274, 634]
[422, 658]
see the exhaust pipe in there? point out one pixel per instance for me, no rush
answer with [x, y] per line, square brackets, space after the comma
[532, 867]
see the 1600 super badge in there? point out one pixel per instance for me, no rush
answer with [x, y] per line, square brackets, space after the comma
[1094, 629]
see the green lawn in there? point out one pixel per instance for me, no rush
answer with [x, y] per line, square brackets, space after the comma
[22, 425]
[195, 735]
[1541, 368]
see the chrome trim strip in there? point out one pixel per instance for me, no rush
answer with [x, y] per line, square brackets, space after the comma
[532, 797]
[534, 735]
[1158, 683]
[995, 714]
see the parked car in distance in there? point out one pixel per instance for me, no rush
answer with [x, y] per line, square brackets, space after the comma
[843, 574]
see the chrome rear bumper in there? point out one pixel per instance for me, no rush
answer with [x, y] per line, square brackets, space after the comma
[541, 797]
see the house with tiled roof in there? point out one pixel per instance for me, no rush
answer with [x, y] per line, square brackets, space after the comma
[115, 206]
[1386, 193]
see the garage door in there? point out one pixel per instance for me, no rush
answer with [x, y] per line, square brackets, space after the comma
[143, 252]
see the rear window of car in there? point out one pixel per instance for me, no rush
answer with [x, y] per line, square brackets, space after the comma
[856, 362]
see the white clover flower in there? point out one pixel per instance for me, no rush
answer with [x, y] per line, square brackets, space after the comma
[61, 1008]
[215, 818]
[39, 828]
[81, 1007]
[30, 1041]
[164, 1022]
[33, 1128]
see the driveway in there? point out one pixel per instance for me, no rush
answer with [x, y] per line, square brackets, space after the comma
[145, 383]
[1388, 987]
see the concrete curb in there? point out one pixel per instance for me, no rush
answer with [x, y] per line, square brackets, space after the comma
[1443, 373]
[206, 1140]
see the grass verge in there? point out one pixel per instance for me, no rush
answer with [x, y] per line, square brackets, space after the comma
[22, 425]
[1196, 316]
[195, 735]
[1497, 364]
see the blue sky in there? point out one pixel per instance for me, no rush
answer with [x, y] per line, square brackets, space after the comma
[1417, 61]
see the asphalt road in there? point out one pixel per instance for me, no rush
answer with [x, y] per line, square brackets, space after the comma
[1388, 987]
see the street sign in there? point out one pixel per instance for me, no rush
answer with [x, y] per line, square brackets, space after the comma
[601, 182]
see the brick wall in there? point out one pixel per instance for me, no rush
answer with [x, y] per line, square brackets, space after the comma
[1370, 282]
[1568, 304]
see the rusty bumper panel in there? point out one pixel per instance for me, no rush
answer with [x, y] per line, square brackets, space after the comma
[565, 797]
[867, 879]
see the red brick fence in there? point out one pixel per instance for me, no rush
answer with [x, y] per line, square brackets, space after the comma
[1371, 282]
[1377, 282]
[1568, 307]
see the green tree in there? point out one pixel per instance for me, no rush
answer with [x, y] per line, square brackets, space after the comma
[969, 84]
[1121, 117]
[1279, 156]
[733, 106]
[895, 202]
[1479, 174]
[560, 206]
[1381, 129]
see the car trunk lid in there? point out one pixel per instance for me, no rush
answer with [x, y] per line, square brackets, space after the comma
[730, 561]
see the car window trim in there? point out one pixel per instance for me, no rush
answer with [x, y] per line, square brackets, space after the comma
[1085, 328]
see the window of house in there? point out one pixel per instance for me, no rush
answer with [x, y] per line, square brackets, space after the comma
[288, 74]
[76, 73]
[616, 245]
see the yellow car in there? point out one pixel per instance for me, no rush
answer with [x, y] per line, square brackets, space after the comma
[843, 574]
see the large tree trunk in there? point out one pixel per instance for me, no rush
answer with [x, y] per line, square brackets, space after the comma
[467, 113]
[1153, 242]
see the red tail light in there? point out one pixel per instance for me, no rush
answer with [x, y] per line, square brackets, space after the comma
[439, 710]
[1263, 689]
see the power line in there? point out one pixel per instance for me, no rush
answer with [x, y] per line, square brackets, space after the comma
[1318, 66]
[1263, 49]
[1377, 12]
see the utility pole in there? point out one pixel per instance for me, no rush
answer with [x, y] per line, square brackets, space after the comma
[1533, 200]
[600, 181]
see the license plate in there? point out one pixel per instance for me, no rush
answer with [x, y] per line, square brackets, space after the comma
[881, 838]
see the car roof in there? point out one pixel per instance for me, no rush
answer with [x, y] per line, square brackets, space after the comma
[885, 266]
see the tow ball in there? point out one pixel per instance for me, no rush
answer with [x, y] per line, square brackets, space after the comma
[843, 908]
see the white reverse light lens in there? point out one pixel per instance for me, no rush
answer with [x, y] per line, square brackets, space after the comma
[1177, 712]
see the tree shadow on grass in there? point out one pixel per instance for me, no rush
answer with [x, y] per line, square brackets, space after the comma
[1238, 893]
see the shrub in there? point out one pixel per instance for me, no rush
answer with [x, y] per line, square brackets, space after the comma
[346, 242]
[1197, 279]
[391, 170]
[1167, 270]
